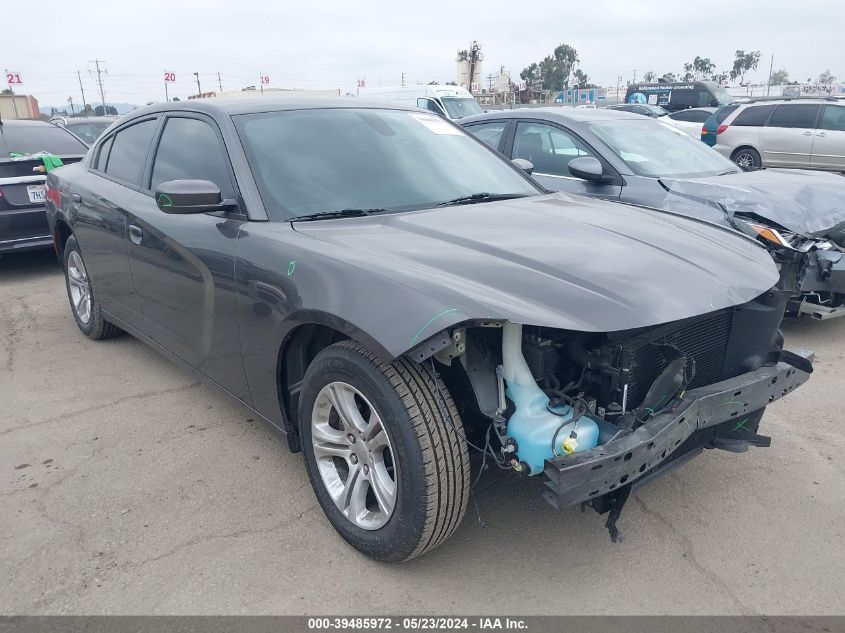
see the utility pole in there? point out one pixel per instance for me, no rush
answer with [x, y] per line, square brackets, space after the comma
[82, 90]
[72, 111]
[166, 93]
[769, 82]
[97, 63]
[618, 84]
[199, 90]
[403, 79]
[635, 76]
[219, 82]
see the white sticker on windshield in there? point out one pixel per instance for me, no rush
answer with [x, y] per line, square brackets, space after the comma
[435, 123]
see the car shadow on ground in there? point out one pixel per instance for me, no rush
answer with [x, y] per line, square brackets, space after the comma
[31, 265]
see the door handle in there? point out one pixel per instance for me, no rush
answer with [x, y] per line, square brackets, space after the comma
[76, 198]
[820, 134]
[808, 133]
[135, 233]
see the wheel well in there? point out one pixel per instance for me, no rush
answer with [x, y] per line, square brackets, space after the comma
[62, 233]
[742, 147]
[299, 348]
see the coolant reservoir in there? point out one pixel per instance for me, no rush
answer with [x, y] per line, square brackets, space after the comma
[532, 425]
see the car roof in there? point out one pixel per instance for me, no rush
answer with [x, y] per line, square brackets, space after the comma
[25, 123]
[777, 100]
[249, 105]
[88, 119]
[563, 115]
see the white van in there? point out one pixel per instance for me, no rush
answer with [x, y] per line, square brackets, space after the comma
[451, 102]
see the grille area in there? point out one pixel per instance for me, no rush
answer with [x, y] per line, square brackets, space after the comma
[705, 340]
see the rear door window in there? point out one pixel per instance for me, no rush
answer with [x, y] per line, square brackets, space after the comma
[833, 118]
[490, 133]
[755, 116]
[722, 113]
[129, 151]
[794, 115]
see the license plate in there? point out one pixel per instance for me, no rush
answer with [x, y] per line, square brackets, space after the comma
[36, 193]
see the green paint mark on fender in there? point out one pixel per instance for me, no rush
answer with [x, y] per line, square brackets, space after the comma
[291, 267]
[432, 320]
[164, 200]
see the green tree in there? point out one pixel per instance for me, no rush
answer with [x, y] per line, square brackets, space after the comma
[554, 70]
[826, 79]
[669, 77]
[433, 83]
[699, 68]
[649, 76]
[779, 77]
[744, 62]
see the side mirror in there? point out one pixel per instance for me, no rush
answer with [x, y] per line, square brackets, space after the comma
[525, 165]
[190, 196]
[586, 167]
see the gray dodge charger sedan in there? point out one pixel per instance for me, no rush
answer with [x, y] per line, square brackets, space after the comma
[391, 294]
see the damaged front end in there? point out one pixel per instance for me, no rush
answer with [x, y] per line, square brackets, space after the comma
[812, 269]
[595, 415]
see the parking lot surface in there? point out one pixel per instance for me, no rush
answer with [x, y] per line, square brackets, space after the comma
[129, 488]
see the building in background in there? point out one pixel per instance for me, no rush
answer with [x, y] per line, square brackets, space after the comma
[469, 73]
[13, 106]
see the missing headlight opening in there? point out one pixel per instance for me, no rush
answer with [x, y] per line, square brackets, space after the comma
[596, 415]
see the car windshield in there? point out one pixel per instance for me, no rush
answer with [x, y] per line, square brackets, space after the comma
[330, 160]
[31, 139]
[651, 148]
[721, 95]
[459, 107]
[88, 131]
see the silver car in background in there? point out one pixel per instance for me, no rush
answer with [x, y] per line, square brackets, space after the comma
[798, 133]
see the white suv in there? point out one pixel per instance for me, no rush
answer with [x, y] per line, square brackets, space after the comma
[799, 133]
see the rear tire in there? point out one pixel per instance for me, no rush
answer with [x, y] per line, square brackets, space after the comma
[747, 158]
[83, 302]
[421, 458]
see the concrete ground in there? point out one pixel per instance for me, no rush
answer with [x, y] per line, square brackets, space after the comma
[128, 488]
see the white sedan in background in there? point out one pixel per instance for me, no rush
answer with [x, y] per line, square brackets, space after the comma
[690, 121]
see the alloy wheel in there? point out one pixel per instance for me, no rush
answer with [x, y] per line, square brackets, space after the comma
[354, 455]
[80, 287]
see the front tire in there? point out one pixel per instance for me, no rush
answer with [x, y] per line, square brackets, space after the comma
[747, 158]
[83, 304]
[385, 451]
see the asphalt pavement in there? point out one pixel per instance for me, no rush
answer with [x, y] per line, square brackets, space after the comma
[127, 487]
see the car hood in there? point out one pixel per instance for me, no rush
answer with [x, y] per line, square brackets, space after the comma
[551, 260]
[804, 202]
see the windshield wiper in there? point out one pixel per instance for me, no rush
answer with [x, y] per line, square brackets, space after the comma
[480, 197]
[341, 213]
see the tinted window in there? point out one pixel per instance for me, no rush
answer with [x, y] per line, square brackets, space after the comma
[490, 133]
[548, 148]
[103, 156]
[30, 138]
[794, 115]
[686, 98]
[754, 116]
[693, 116]
[311, 161]
[129, 151]
[190, 149]
[459, 107]
[833, 118]
[722, 113]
